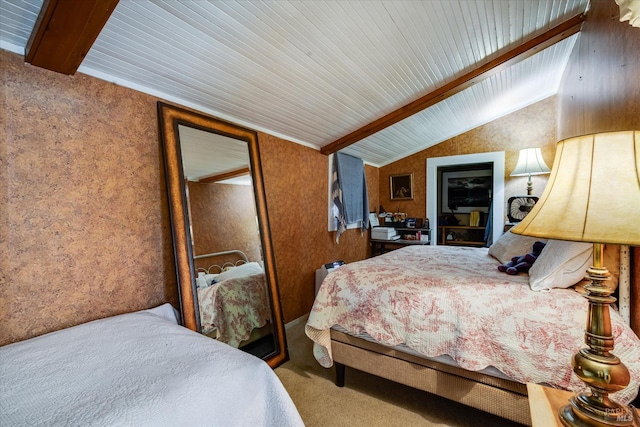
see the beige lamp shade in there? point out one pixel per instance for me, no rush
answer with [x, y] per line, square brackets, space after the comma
[593, 193]
[530, 162]
[629, 11]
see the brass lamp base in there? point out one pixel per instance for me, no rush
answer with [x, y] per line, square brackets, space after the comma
[596, 366]
[583, 411]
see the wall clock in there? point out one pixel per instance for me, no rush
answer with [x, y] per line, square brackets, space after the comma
[519, 206]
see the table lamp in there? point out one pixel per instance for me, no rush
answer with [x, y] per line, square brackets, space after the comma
[530, 162]
[593, 195]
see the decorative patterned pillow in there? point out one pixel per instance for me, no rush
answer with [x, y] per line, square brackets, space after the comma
[510, 245]
[560, 265]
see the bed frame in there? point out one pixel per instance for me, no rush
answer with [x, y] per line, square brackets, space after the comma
[501, 397]
[237, 258]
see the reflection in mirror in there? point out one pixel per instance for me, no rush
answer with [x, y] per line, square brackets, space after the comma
[232, 296]
[221, 237]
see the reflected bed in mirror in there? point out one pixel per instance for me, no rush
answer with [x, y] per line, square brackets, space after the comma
[222, 244]
[233, 301]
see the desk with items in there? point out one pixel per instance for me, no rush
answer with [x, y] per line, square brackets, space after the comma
[396, 237]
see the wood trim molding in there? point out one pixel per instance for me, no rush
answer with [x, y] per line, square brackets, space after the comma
[635, 290]
[226, 175]
[65, 31]
[518, 54]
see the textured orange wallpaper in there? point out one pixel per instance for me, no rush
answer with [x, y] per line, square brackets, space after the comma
[296, 181]
[85, 223]
[86, 232]
[533, 126]
[223, 218]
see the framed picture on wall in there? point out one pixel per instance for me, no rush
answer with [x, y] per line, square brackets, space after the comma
[466, 191]
[402, 186]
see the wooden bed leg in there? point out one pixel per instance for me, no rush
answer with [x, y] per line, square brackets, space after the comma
[339, 374]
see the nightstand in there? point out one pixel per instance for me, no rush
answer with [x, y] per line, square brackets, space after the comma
[545, 402]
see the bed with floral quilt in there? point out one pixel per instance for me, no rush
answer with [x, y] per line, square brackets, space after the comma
[444, 319]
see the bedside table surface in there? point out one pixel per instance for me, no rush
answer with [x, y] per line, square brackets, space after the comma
[545, 402]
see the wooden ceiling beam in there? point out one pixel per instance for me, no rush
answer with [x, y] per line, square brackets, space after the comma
[65, 31]
[226, 175]
[518, 54]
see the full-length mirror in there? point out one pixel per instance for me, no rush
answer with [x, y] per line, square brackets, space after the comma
[222, 244]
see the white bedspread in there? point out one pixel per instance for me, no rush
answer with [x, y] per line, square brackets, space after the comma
[451, 300]
[138, 369]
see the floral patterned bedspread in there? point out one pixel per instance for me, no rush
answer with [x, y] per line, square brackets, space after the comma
[235, 307]
[452, 300]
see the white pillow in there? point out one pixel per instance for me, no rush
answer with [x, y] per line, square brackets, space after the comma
[201, 283]
[247, 269]
[205, 280]
[560, 265]
[510, 245]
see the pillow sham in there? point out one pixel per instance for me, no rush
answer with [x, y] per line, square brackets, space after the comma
[510, 245]
[560, 265]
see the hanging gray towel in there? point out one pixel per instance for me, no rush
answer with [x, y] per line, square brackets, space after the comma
[488, 230]
[349, 191]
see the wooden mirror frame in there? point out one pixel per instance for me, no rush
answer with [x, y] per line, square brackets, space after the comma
[169, 118]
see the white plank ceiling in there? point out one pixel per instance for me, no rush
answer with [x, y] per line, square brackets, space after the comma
[313, 71]
[206, 153]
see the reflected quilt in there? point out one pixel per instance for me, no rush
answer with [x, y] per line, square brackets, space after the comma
[235, 307]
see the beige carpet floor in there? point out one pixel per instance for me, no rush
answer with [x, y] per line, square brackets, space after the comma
[365, 400]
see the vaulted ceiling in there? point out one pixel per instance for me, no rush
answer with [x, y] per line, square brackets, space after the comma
[378, 79]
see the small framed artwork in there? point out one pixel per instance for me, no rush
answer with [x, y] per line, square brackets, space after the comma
[402, 186]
